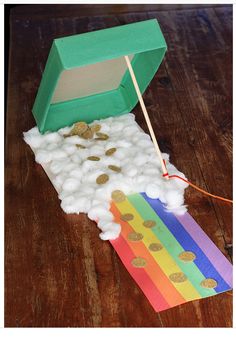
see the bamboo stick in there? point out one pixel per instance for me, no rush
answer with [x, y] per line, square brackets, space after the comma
[146, 116]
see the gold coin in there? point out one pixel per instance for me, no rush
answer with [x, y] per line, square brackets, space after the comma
[133, 236]
[110, 151]
[127, 217]
[88, 134]
[80, 146]
[155, 247]
[209, 283]
[187, 256]
[118, 196]
[114, 168]
[79, 128]
[95, 128]
[178, 277]
[67, 135]
[101, 136]
[139, 262]
[93, 158]
[149, 223]
[102, 179]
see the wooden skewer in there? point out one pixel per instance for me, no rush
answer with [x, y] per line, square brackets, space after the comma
[145, 113]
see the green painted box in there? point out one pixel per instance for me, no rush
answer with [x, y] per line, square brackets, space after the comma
[86, 77]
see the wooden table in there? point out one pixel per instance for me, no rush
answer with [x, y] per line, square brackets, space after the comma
[58, 273]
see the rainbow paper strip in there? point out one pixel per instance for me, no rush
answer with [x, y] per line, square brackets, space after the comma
[174, 235]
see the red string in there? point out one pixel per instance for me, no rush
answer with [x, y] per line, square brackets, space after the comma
[196, 187]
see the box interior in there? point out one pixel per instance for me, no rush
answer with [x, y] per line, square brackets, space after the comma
[90, 80]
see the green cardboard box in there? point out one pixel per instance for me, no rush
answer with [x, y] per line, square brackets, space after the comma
[86, 76]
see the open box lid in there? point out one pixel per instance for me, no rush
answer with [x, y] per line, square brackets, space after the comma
[86, 77]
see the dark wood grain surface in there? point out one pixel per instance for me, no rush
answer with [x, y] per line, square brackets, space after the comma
[58, 273]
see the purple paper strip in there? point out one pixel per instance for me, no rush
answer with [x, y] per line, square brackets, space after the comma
[220, 262]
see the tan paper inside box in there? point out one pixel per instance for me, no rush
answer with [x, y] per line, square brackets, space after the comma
[89, 80]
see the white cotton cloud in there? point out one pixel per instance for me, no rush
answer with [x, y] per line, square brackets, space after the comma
[74, 176]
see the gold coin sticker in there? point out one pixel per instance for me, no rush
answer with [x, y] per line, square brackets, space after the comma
[95, 128]
[110, 151]
[101, 136]
[127, 217]
[79, 128]
[209, 283]
[93, 158]
[80, 146]
[149, 223]
[118, 196]
[102, 179]
[187, 256]
[88, 134]
[114, 168]
[178, 277]
[155, 247]
[139, 262]
[133, 236]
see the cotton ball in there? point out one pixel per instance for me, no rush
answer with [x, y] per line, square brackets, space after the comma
[117, 126]
[49, 147]
[76, 158]
[76, 173]
[69, 166]
[111, 234]
[123, 143]
[105, 128]
[67, 198]
[65, 130]
[75, 139]
[89, 165]
[153, 191]
[88, 190]
[174, 198]
[140, 160]
[108, 225]
[130, 170]
[121, 153]
[58, 154]
[166, 157]
[178, 183]
[130, 130]
[142, 179]
[105, 204]
[82, 204]
[63, 194]
[110, 160]
[102, 224]
[141, 136]
[102, 193]
[96, 150]
[83, 153]
[67, 204]
[57, 166]
[144, 143]
[59, 180]
[69, 148]
[109, 144]
[33, 137]
[52, 137]
[43, 157]
[70, 184]
[179, 211]
[90, 176]
[151, 171]
[99, 212]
